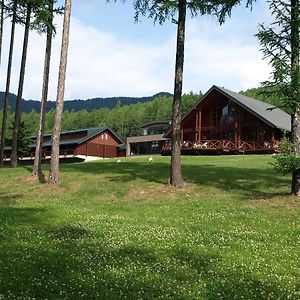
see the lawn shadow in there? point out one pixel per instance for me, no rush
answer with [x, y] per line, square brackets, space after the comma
[252, 183]
[69, 262]
[14, 216]
[10, 198]
[228, 283]
[67, 233]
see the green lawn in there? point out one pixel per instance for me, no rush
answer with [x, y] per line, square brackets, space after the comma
[118, 231]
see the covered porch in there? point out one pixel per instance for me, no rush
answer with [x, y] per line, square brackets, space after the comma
[227, 122]
[223, 147]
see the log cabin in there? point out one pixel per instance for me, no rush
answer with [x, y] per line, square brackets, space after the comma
[97, 142]
[223, 122]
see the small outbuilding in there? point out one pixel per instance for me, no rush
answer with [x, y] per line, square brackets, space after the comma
[151, 141]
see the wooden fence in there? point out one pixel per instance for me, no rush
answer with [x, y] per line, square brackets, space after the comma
[226, 146]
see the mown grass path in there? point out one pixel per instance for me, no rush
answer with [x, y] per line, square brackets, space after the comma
[118, 231]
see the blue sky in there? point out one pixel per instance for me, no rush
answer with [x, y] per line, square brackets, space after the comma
[111, 55]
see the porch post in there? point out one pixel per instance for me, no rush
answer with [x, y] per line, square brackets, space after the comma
[199, 126]
[181, 135]
[236, 134]
[128, 148]
[259, 133]
[196, 127]
[239, 127]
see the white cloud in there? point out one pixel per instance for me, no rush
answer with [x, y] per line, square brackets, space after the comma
[226, 55]
[232, 63]
[100, 64]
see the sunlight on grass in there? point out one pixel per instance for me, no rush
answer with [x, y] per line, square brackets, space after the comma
[119, 231]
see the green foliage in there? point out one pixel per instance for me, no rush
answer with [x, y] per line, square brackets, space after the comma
[159, 10]
[23, 138]
[124, 119]
[268, 94]
[286, 161]
[282, 50]
[116, 231]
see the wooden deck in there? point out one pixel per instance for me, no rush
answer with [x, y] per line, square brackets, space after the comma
[224, 146]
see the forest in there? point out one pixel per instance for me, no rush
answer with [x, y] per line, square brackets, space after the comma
[124, 119]
[122, 114]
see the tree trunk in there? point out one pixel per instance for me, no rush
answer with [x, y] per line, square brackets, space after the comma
[14, 148]
[176, 179]
[295, 91]
[54, 177]
[37, 169]
[1, 27]
[295, 185]
[8, 77]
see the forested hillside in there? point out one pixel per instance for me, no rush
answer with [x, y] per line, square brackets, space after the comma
[77, 105]
[124, 119]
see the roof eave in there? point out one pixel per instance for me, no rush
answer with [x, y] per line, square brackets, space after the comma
[251, 110]
[100, 131]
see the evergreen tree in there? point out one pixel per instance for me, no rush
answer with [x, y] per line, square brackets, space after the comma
[54, 177]
[160, 11]
[8, 79]
[37, 7]
[1, 27]
[281, 44]
[14, 150]
[23, 139]
[48, 21]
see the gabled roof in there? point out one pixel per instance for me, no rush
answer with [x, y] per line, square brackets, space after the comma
[273, 116]
[89, 133]
[158, 123]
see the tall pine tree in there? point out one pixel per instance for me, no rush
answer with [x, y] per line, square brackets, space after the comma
[54, 177]
[176, 10]
[280, 44]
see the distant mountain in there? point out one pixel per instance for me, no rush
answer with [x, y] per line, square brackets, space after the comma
[76, 105]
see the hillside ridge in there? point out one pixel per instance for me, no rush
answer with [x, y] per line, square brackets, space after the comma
[79, 104]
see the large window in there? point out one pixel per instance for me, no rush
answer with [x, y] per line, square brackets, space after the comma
[227, 114]
[156, 130]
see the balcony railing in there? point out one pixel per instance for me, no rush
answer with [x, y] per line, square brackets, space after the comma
[226, 146]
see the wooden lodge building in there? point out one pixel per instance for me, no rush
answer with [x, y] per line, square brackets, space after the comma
[97, 142]
[151, 141]
[227, 122]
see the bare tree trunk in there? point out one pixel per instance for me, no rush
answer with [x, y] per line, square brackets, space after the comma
[14, 147]
[8, 77]
[295, 90]
[37, 168]
[54, 177]
[1, 26]
[176, 179]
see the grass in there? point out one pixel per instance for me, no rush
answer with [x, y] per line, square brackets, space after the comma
[118, 231]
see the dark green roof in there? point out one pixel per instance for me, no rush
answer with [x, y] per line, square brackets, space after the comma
[89, 133]
[158, 123]
[122, 147]
[268, 113]
[273, 116]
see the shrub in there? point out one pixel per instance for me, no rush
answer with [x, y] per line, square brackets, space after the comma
[286, 161]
